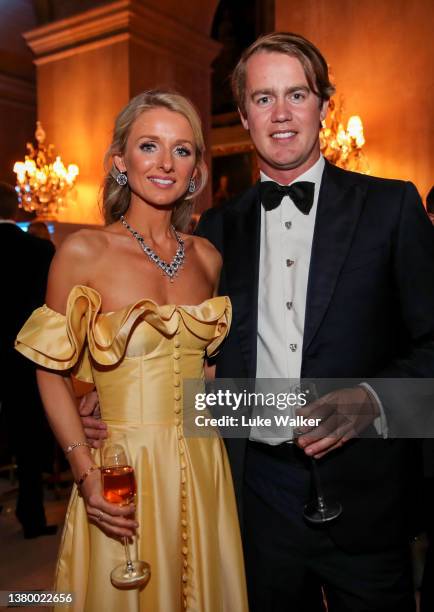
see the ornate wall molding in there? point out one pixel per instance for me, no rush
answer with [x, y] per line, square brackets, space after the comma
[121, 20]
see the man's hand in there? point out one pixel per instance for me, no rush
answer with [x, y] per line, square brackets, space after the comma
[344, 414]
[94, 428]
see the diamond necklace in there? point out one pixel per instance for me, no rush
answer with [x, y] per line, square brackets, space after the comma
[170, 269]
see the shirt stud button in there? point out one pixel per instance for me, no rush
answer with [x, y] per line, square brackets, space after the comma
[293, 347]
[289, 305]
[288, 224]
[289, 263]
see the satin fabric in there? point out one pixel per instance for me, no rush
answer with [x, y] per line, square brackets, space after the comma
[188, 528]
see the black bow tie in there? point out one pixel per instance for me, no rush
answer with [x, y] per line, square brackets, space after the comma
[301, 194]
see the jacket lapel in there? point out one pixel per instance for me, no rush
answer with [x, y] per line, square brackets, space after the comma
[339, 207]
[241, 247]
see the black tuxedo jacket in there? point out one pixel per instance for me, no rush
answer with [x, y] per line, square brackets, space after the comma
[369, 313]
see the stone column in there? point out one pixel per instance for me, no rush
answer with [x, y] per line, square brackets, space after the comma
[91, 64]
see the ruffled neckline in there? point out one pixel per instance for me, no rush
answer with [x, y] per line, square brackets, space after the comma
[57, 341]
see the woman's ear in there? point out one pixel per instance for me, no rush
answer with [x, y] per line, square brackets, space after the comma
[119, 163]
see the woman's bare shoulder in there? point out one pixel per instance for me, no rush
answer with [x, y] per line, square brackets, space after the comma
[84, 244]
[75, 263]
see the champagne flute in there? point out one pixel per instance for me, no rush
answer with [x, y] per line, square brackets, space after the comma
[119, 487]
[319, 510]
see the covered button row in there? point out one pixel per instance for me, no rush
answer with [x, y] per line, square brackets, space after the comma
[177, 410]
[184, 524]
[177, 377]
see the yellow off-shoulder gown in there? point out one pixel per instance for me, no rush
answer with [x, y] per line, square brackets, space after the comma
[188, 531]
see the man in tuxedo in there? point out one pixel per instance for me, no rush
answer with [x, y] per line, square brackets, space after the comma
[328, 279]
[25, 262]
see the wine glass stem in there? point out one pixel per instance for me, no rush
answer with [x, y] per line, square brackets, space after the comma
[130, 567]
[318, 486]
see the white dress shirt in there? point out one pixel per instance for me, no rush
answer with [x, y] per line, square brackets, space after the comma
[284, 260]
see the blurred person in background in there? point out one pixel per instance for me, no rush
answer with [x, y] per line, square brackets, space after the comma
[26, 260]
[39, 229]
[430, 204]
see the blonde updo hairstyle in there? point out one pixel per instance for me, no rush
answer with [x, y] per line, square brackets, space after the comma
[116, 198]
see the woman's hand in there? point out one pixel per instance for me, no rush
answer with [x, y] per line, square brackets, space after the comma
[112, 519]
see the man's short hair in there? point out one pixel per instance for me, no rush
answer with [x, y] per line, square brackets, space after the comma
[294, 45]
[8, 201]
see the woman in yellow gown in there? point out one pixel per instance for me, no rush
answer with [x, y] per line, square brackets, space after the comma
[130, 307]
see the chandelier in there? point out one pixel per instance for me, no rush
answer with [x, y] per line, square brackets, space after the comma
[43, 182]
[343, 147]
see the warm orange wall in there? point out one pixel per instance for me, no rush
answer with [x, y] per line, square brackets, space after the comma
[382, 56]
[78, 99]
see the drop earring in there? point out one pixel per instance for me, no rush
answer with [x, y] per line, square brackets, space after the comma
[121, 179]
[192, 186]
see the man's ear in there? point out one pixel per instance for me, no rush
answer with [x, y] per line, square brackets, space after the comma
[119, 163]
[324, 108]
[244, 120]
